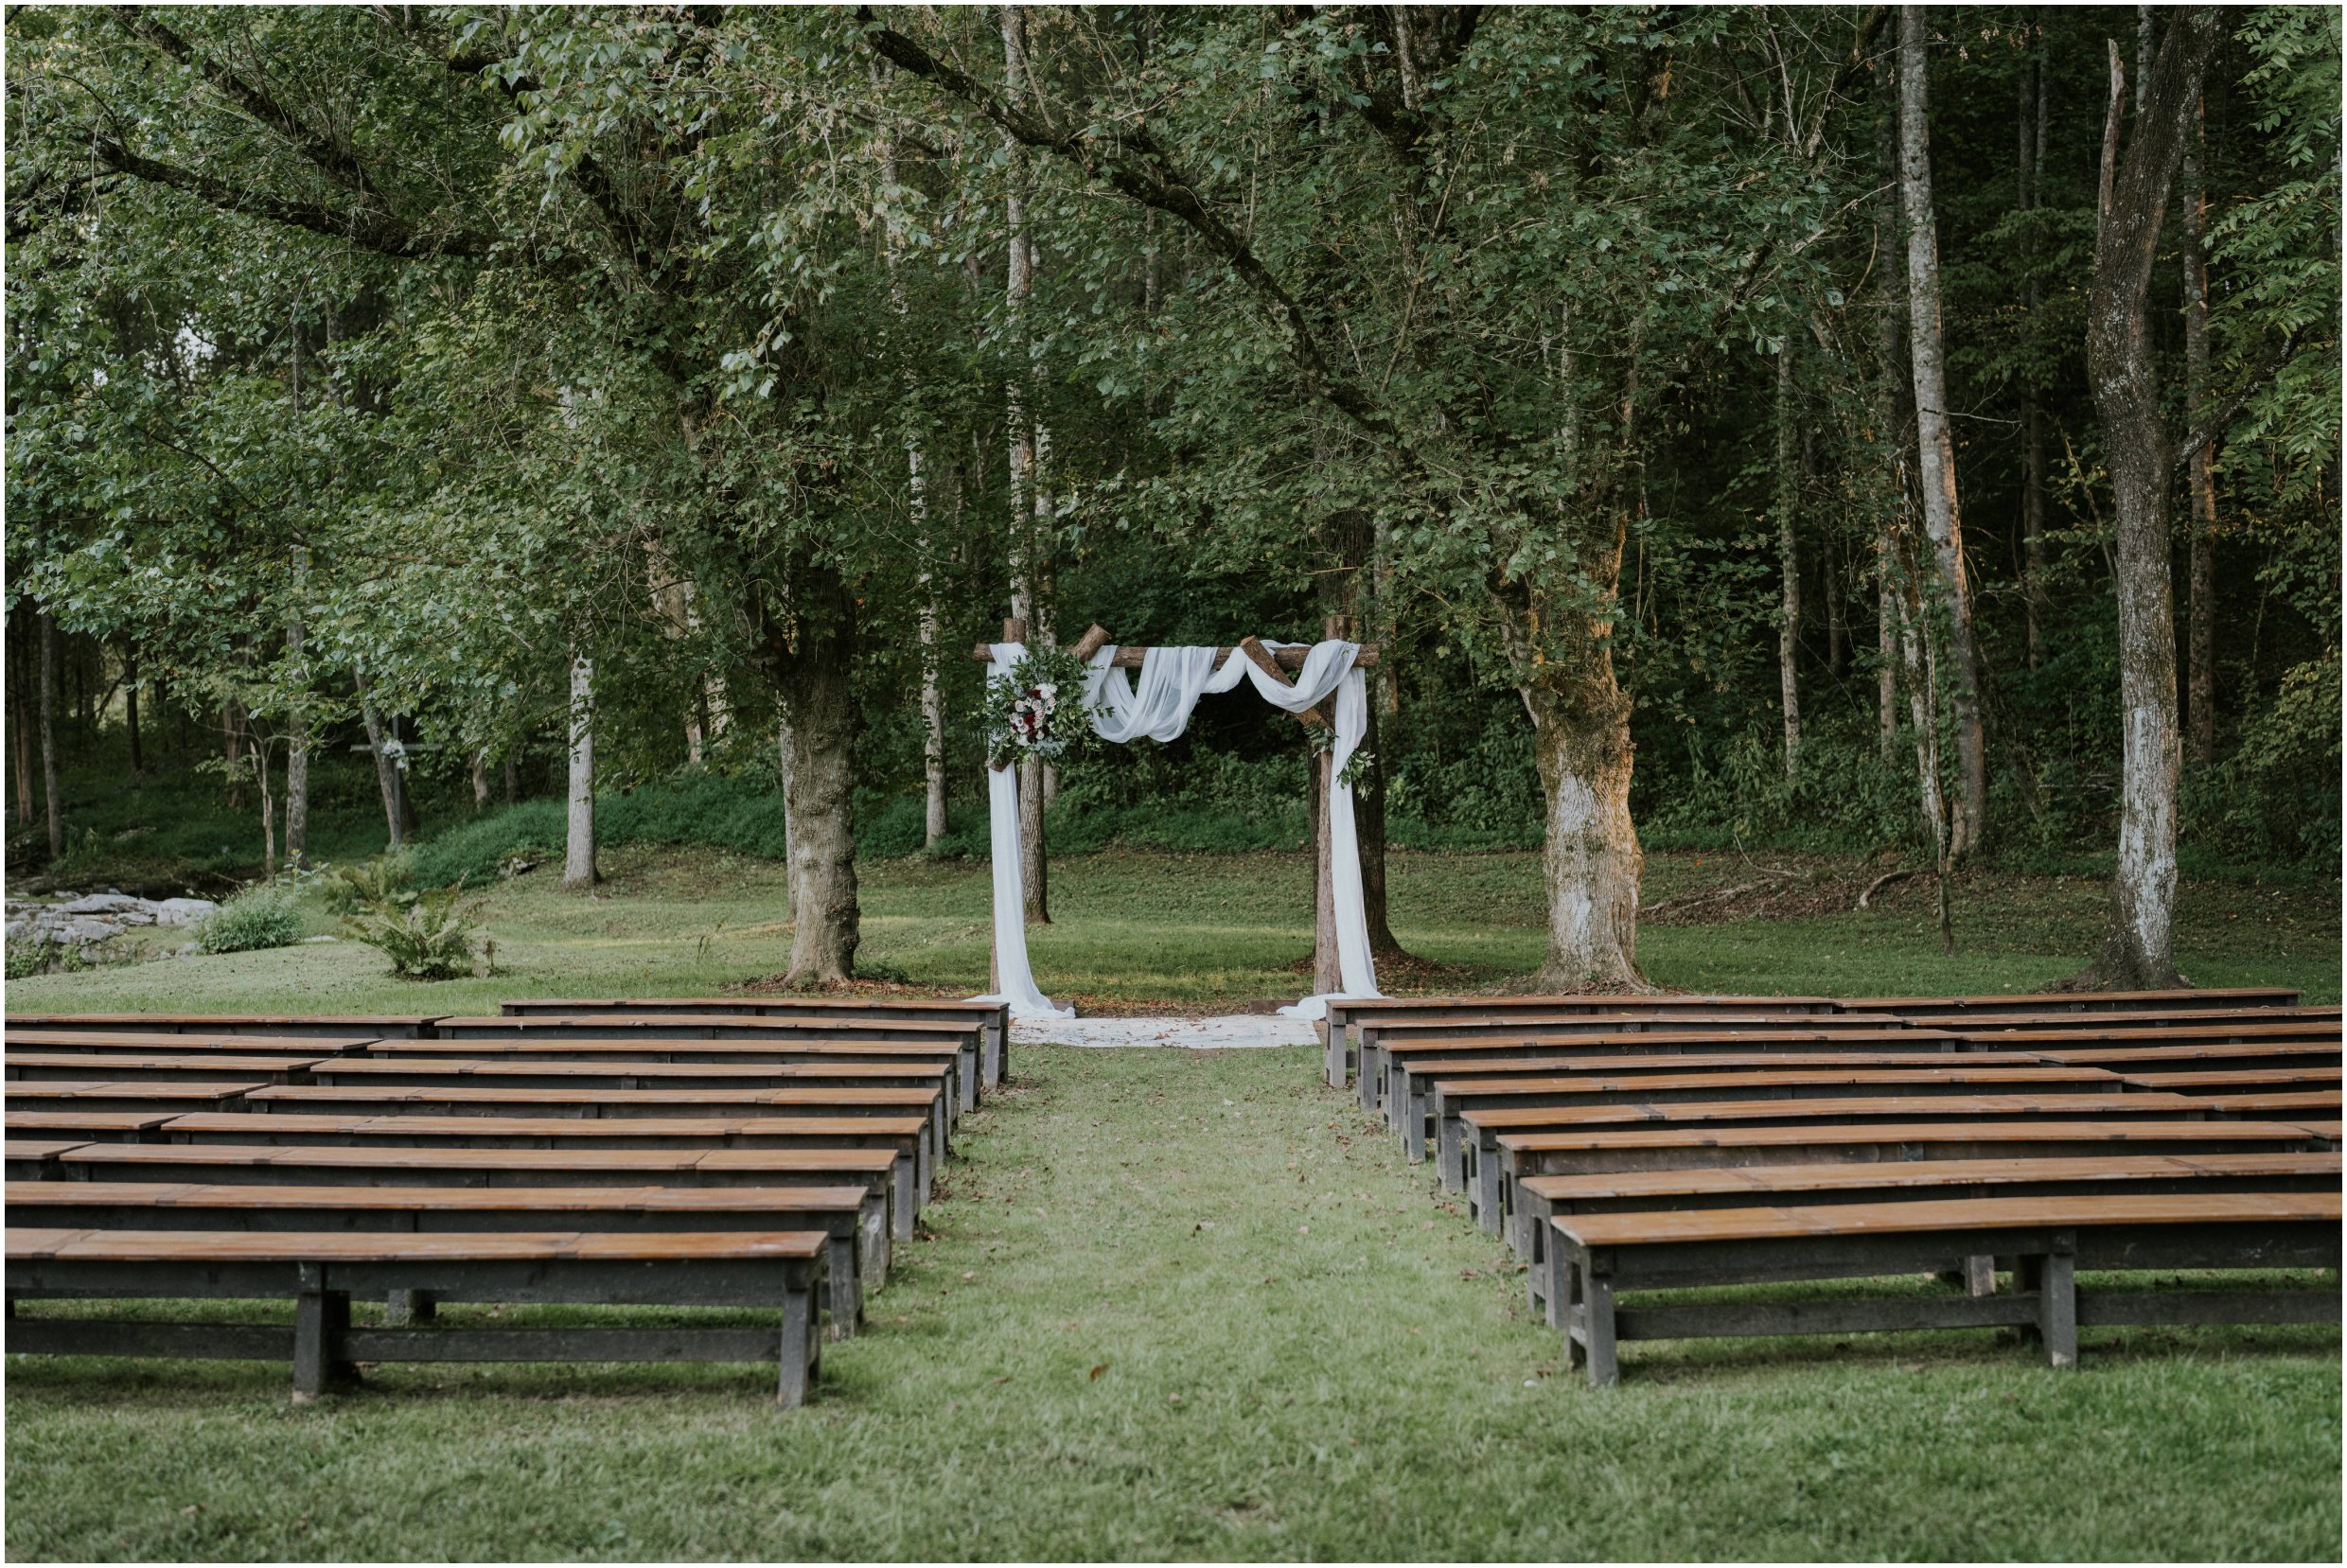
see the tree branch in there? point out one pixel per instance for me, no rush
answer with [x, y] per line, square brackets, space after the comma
[1135, 165]
[378, 232]
[335, 159]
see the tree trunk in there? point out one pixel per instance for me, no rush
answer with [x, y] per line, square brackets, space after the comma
[19, 730]
[2137, 950]
[269, 810]
[2200, 480]
[1787, 562]
[387, 770]
[513, 777]
[783, 758]
[815, 682]
[129, 713]
[1943, 518]
[48, 736]
[1327, 969]
[1026, 500]
[297, 747]
[2032, 164]
[232, 741]
[578, 852]
[1890, 387]
[1590, 860]
[480, 780]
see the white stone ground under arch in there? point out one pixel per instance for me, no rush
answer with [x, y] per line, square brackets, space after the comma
[1237, 1032]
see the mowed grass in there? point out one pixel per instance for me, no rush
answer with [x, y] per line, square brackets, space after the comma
[1195, 1305]
[1193, 932]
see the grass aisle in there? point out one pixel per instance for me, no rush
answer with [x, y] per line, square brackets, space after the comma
[1187, 1305]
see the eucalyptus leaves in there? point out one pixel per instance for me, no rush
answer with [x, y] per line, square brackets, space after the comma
[1038, 710]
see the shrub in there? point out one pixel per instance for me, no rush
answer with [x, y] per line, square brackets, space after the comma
[255, 919]
[425, 936]
[382, 880]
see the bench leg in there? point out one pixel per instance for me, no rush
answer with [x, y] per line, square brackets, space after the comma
[904, 1197]
[1450, 1161]
[1979, 1276]
[871, 1225]
[1492, 1202]
[802, 1348]
[1588, 1318]
[847, 1289]
[402, 1308]
[1410, 1110]
[1333, 1055]
[1544, 1283]
[2058, 1309]
[998, 1049]
[1368, 1067]
[966, 1067]
[319, 1319]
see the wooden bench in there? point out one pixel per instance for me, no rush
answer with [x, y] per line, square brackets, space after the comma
[1598, 1257]
[994, 1016]
[372, 1026]
[967, 1039]
[1493, 1166]
[1640, 1191]
[949, 1054]
[1409, 1104]
[2189, 999]
[129, 1093]
[39, 1067]
[2233, 1079]
[1611, 1150]
[2156, 1056]
[1470, 1115]
[870, 1172]
[2086, 1028]
[1346, 1018]
[163, 1043]
[1388, 1057]
[1379, 1040]
[319, 1273]
[491, 1100]
[900, 1136]
[852, 1219]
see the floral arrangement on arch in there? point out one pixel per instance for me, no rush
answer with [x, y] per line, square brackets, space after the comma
[1037, 711]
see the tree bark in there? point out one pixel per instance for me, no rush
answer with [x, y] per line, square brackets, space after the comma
[1891, 385]
[130, 712]
[815, 682]
[2138, 942]
[1787, 562]
[48, 736]
[23, 724]
[232, 742]
[2200, 476]
[1026, 500]
[387, 770]
[579, 874]
[513, 777]
[480, 779]
[1590, 860]
[1943, 518]
[2032, 164]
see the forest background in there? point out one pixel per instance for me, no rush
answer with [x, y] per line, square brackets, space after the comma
[656, 403]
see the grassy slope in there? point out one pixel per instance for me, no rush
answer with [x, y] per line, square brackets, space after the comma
[1356, 1376]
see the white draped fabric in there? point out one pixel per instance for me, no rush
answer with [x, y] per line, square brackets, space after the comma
[1158, 708]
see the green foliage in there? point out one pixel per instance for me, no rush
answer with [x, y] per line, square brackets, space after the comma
[427, 936]
[255, 919]
[386, 880]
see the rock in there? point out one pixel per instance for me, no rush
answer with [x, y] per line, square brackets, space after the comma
[183, 911]
[306, 940]
[87, 928]
[187, 951]
[97, 903]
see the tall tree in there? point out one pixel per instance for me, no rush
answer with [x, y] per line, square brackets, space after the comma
[2132, 207]
[1950, 600]
[579, 873]
[2200, 468]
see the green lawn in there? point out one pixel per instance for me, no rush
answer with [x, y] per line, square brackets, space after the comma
[1193, 1304]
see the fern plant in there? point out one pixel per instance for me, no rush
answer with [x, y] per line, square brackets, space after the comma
[425, 936]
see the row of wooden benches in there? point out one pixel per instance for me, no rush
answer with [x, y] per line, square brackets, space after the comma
[1670, 1144]
[656, 1153]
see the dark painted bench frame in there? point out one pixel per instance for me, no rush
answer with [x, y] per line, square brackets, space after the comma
[995, 1017]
